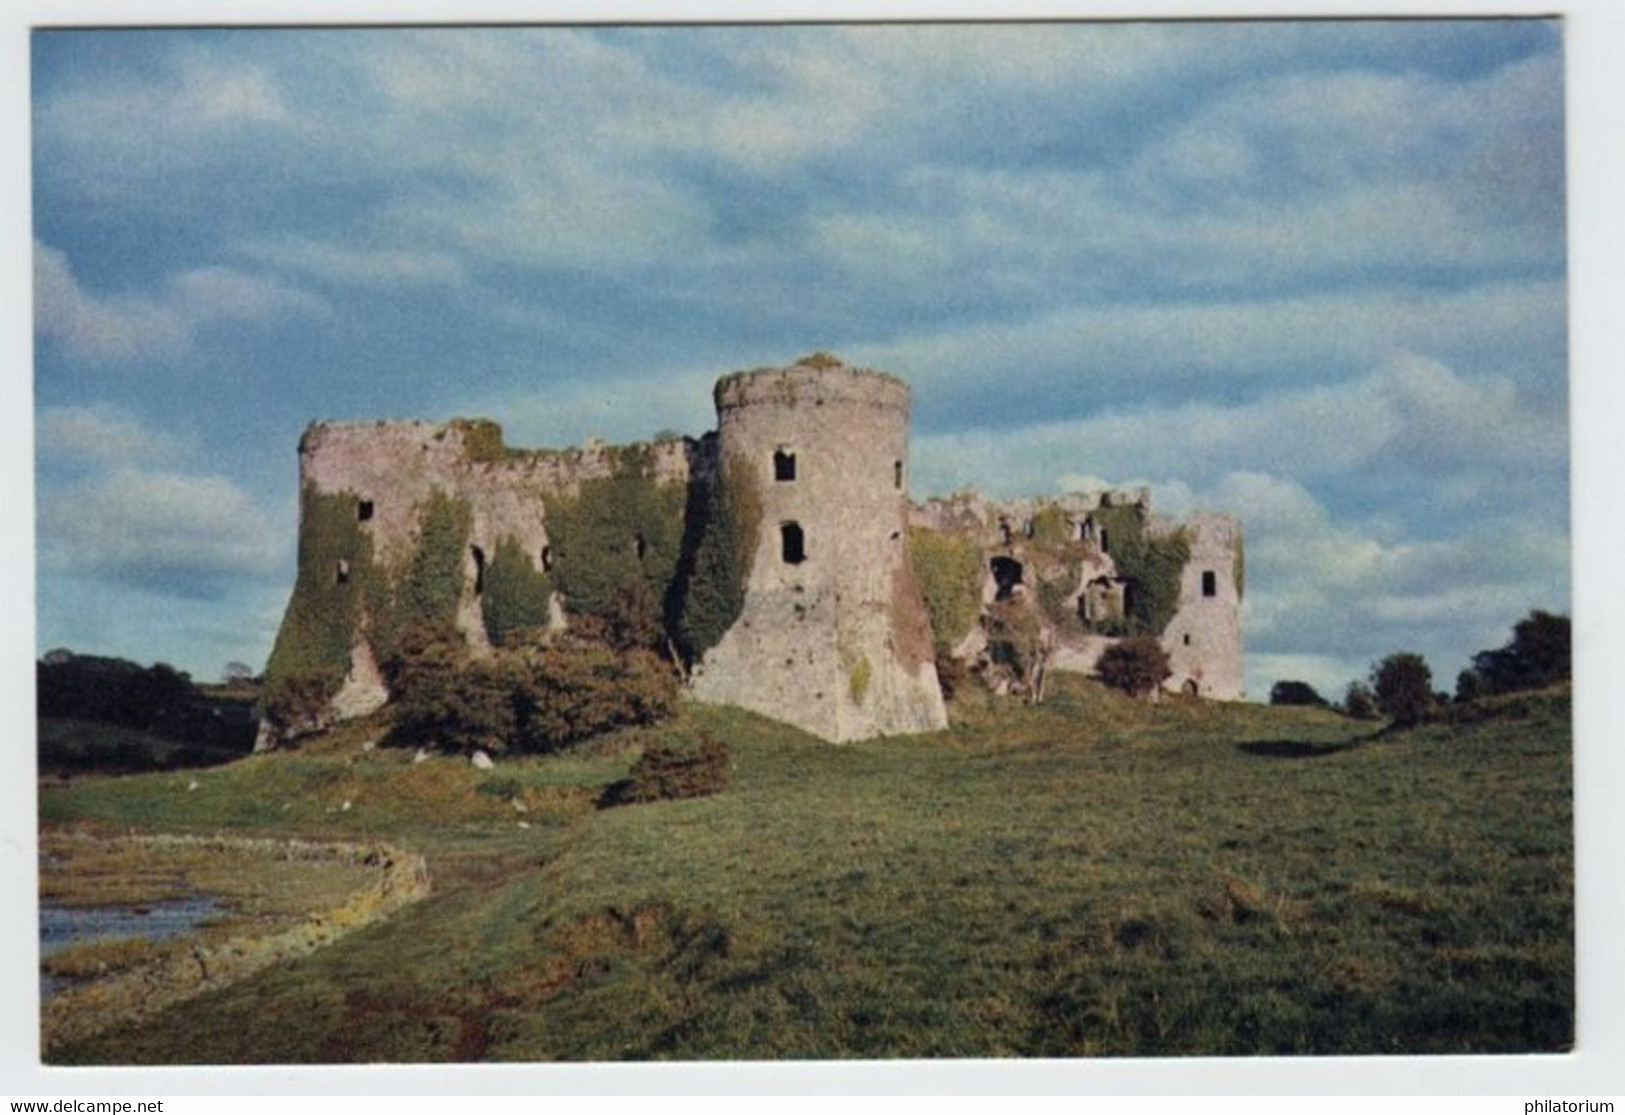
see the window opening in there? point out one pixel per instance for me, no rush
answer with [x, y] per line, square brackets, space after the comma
[784, 466]
[1104, 548]
[1006, 575]
[363, 510]
[547, 559]
[897, 475]
[342, 573]
[1210, 583]
[479, 569]
[792, 543]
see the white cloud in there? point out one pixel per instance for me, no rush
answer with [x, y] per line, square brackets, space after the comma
[101, 434]
[181, 534]
[165, 323]
[362, 265]
[1410, 413]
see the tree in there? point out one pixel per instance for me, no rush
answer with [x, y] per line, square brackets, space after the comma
[1404, 687]
[1359, 702]
[237, 673]
[1295, 693]
[1137, 666]
[1017, 641]
[1540, 654]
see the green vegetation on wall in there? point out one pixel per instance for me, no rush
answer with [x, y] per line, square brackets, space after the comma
[948, 568]
[482, 439]
[1239, 569]
[312, 651]
[1152, 563]
[724, 528]
[516, 593]
[427, 591]
[617, 530]
[1056, 595]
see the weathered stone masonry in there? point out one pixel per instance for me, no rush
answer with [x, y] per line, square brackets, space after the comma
[833, 635]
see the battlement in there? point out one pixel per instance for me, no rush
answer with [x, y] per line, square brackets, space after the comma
[816, 381]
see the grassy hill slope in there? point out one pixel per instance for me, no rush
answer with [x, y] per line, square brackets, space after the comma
[1091, 877]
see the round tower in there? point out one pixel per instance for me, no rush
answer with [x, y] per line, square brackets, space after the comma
[833, 635]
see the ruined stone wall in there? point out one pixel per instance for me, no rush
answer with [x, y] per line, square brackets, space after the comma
[1203, 637]
[390, 470]
[833, 636]
[1203, 640]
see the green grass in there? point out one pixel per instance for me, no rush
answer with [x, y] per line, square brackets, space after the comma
[1093, 876]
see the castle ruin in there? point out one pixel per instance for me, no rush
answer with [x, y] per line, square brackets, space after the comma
[782, 546]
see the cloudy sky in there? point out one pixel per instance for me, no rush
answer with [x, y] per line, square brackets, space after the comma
[1308, 274]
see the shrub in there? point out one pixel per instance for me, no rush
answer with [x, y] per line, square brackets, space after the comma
[1359, 702]
[534, 699]
[671, 771]
[1295, 693]
[1137, 666]
[296, 700]
[1404, 687]
[571, 692]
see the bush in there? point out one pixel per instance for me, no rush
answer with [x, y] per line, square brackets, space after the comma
[671, 771]
[1359, 702]
[1136, 666]
[1295, 693]
[1404, 687]
[575, 691]
[534, 699]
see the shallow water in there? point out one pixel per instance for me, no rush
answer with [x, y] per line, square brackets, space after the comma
[61, 926]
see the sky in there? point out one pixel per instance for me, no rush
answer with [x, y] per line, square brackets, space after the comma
[1309, 274]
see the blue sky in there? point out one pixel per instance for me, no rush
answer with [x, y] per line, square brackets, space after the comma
[1309, 274]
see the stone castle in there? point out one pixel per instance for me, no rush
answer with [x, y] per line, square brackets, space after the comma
[829, 627]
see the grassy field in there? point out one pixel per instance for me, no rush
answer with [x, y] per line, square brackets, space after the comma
[1093, 877]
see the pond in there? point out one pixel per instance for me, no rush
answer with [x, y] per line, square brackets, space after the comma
[61, 926]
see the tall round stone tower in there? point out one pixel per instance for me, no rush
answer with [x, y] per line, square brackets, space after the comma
[833, 636]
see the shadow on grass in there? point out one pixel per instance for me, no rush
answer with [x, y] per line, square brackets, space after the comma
[1299, 749]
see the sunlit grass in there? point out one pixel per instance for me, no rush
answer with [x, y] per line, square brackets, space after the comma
[1094, 876]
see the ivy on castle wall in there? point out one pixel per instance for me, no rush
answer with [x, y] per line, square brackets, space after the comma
[427, 589]
[1152, 563]
[723, 530]
[516, 593]
[1239, 568]
[312, 651]
[948, 569]
[618, 529]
